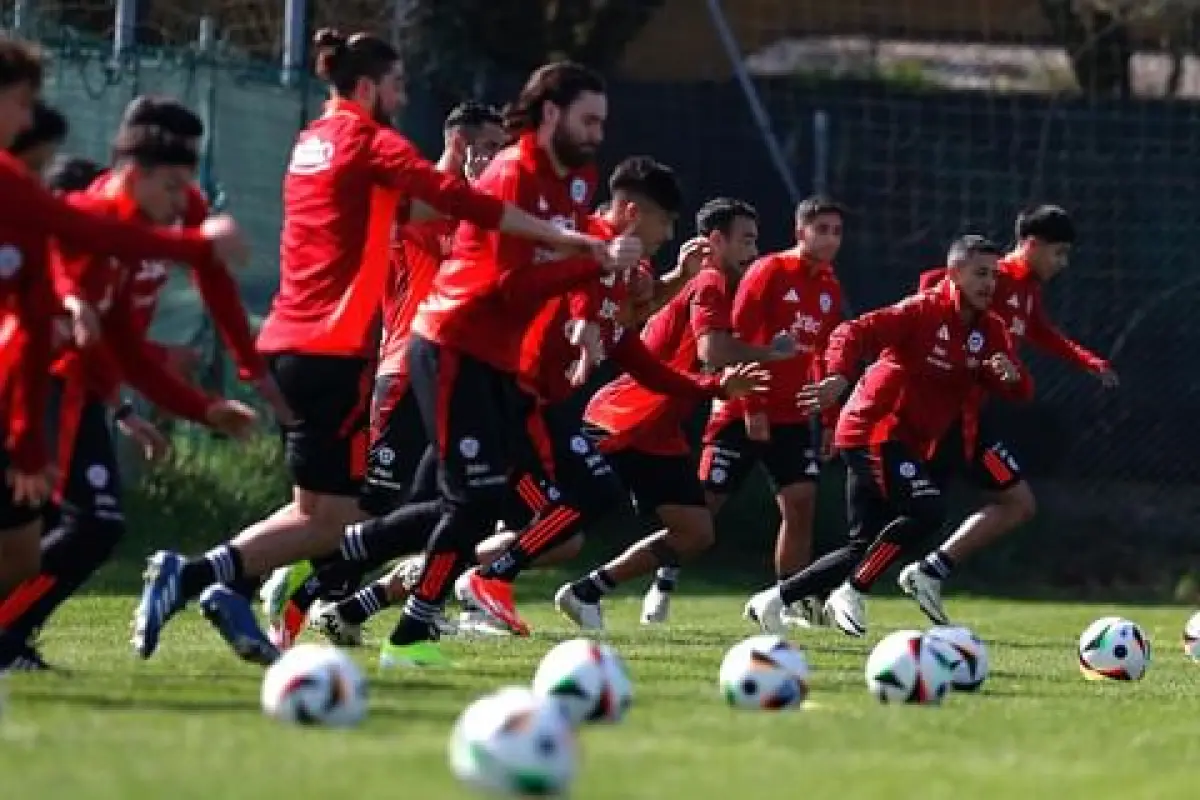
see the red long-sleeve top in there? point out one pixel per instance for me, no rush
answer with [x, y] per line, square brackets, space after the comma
[926, 362]
[347, 176]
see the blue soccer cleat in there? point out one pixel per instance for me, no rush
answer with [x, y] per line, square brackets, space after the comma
[162, 598]
[234, 619]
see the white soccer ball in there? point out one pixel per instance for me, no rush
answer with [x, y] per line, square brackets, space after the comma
[764, 672]
[1114, 648]
[314, 684]
[588, 678]
[1191, 637]
[514, 742]
[910, 667]
[972, 667]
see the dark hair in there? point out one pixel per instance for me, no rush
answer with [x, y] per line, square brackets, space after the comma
[645, 177]
[718, 214]
[20, 62]
[972, 244]
[1051, 224]
[163, 112]
[342, 60]
[49, 127]
[560, 83]
[72, 173]
[472, 115]
[818, 205]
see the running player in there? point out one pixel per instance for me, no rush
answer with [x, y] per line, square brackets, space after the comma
[641, 431]
[349, 172]
[928, 354]
[1044, 239]
[793, 293]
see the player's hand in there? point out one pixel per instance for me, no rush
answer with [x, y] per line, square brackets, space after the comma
[155, 446]
[622, 254]
[227, 240]
[85, 322]
[692, 256]
[825, 393]
[1003, 368]
[270, 392]
[783, 345]
[231, 418]
[586, 337]
[758, 427]
[30, 490]
[740, 380]
[1108, 378]
[182, 360]
[454, 153]
[826, 453]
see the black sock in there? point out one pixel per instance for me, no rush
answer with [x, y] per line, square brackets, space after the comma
[416, 625]
[937, 565]
[364, 604]
[666, 579]
[222, 564]
[246, 586]
[406, 530]
[593, 587]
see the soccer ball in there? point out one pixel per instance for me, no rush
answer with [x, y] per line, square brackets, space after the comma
[315, 684]
[764, 672]
[514, 742]
[589, 679]
[1191, 637]
[972, 667]
[1114, 648]
[910, 667]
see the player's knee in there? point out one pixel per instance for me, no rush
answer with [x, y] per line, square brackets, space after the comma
[1019, 503]
[690, 531]
[797, 502]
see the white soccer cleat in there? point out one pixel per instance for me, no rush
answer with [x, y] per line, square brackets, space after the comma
[588, 616]
[325, 619]
[847, 610]
[410, 570]
[926, 590]
[473, 623]
[273, 596]
[808, 612]
[656, 606]
[765, 609]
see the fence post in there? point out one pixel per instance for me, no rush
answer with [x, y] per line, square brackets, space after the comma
[295, 40]
[24, 19]
[125, 27]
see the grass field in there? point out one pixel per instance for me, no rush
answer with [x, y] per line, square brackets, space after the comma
[186, 725]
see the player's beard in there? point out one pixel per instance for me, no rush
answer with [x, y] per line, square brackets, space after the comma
[569, 152]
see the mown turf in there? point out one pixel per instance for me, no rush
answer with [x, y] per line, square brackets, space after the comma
[186, 724]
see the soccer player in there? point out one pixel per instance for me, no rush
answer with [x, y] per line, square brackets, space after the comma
[72, 173]
[794, 292]
[348, 174]
[640, 431]
[37, 145]
[1044, 238]
[928, 354]
[153, 170]
[473, 134]
[29, 215]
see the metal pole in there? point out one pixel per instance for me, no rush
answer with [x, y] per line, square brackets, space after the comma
[295, 40]
[23, 17]
[125, 27]
[820, 152]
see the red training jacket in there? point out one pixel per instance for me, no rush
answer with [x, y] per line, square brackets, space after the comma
[416, 255]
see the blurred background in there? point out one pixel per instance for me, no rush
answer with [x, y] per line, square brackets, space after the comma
[927, 118]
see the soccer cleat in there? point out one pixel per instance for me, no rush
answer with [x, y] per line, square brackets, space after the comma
[926, 590]
[493, 597]
[425, 653]
[847, 610]
[326, 620]
[765, 610]
[473, 623]
[233, 618]
[28, 659]
[588, 616]
[162, 598]
[279, 588]
[410, 570]
[808, 612]
[656, 606]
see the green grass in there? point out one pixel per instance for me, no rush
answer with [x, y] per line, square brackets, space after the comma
[186, 725]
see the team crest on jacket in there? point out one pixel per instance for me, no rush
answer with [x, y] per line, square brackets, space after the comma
[975, 342]
[826, 302]
[10, 261]
[579, 190]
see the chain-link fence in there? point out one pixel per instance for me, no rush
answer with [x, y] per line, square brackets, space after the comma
[927, 118]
